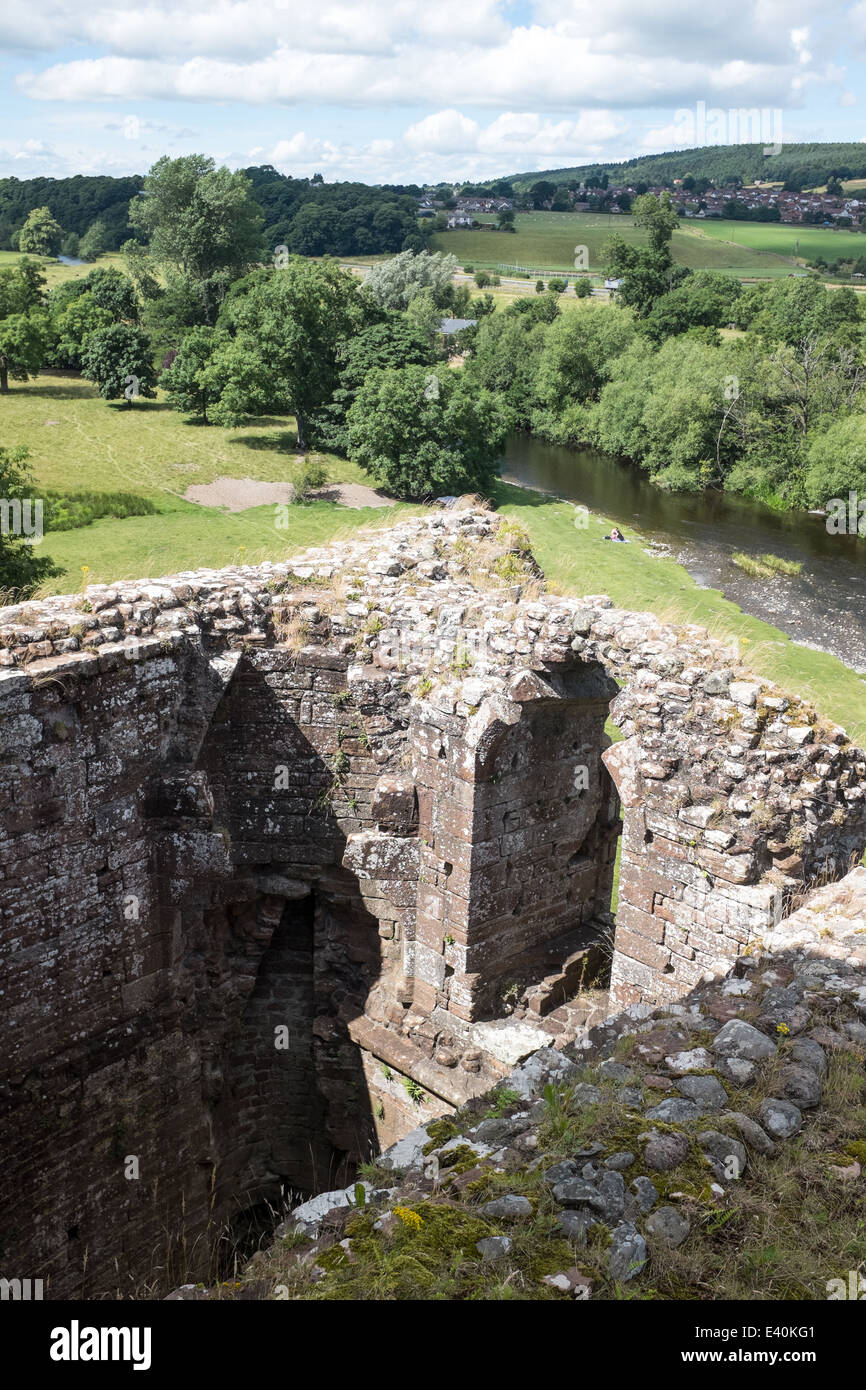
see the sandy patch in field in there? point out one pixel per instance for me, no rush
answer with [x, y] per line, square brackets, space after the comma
[239, 494]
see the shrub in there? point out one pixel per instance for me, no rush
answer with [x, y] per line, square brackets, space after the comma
[312, 475]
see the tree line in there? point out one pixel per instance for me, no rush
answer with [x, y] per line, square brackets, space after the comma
[88, 215]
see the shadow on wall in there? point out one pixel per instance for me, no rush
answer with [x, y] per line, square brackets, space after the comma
[289, 1106]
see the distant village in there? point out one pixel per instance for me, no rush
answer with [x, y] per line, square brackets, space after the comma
[755, 202]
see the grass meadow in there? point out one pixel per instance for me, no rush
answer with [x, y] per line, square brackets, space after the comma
[546, 241]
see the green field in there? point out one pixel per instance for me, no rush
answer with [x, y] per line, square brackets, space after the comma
[783, 240]
[546, 240]
[79, 442]
[55, 273]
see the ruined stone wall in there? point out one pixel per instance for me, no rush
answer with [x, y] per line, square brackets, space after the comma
[364, 796]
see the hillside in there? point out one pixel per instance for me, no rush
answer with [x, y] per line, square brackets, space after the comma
[721, 163]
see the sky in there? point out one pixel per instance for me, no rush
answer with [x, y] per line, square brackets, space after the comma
[393, 91]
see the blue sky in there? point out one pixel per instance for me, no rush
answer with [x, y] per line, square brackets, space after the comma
[400, 91]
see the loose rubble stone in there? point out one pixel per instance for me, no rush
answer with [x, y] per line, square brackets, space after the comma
[727, 1156]
[494, 1247]
[736, 1069]
[575, 1224]
[674, 1111]
[509, 1208]
[585, 1095]
[739, 1039]
[698, 1059]
[646, 1193]
[665, 1151]
[574, 1192]
[705, 1091]
[627, 1255]
[801, 1085]
[619, 1161]
[668, 1225]
[780, 1118]
[751, 1131]
[807, 1053]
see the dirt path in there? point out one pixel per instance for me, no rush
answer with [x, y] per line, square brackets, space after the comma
[239, 494]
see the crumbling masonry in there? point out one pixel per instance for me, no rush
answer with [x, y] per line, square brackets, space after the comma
[295, 857]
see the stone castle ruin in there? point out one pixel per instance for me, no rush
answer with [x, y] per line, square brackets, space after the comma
[298, 856]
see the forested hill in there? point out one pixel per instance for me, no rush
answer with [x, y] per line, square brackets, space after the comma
[75, 202]
[812, 164]
[309, 216]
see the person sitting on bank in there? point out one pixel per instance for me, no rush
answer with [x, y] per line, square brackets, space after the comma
[616, 535]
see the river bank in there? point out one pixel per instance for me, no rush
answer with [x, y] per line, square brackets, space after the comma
[577, 560]
[824, 607]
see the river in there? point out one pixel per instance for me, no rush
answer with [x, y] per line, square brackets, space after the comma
[823, 607]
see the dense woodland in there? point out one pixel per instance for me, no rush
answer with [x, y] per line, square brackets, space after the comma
[309, 216]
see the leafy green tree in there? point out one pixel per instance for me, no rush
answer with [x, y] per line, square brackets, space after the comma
[658, 216]
[706, 299]
[202, 225]
[118, 360]
[646, 273]
[69, 245]
[24, 329]
[113, 291]
[23, 345]
[665, 410]
[836, 460]
[579, 349]
[141, 269]
[21, 571]
[505, 220]
[81, 317]
[539, 287]
[41, 234]
[504, 360]
[295, 320]
[422, 434]
[395, 342]
[94, 242]
[582, 288]
[393, 284]
[190, 383]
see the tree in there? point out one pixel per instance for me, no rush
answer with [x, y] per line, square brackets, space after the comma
[118, 360]
[93, 243]
[706, 299]
[112, 291]
[295, 320]
[505, 219]
[582, 288]
[578, 352]
[398, 341]
[41, 234]
[81, 317]
[836, 461]
[23, 343]
[23, 323]
[394, 283]
[482, 279]
[202, 225]
[422, 434]
[20, 569]
[188, 384]
[659, 216]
